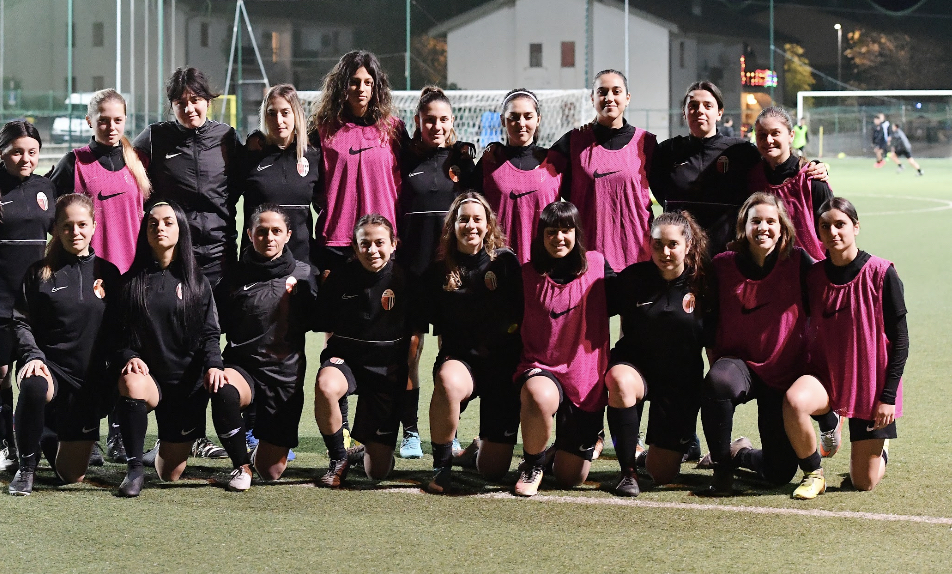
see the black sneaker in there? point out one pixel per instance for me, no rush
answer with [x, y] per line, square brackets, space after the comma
[442, 479]
[722, 485]
[694, 451]
[148, 459]
[335, 475]
[22, 483]
[132, 484]
[115, 450]
[355, 455]
[205, 448]
[628, 485]
[95, 456]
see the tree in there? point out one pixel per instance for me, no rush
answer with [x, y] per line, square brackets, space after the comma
[896, 61]
[428, 60]
[797, 74]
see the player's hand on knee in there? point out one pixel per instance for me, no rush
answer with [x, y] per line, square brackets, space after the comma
[215, 379]
[135, 366]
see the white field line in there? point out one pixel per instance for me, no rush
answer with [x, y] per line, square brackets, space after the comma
[944, 204]
[640, 503]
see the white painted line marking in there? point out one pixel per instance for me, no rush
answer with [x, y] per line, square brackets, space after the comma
[944, 204]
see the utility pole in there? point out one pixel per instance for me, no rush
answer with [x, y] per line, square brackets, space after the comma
[407, 63]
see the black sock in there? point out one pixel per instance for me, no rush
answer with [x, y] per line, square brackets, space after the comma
[226, 414]
[827, 421]
[623, 424]
[442, 455]
[535, 459]
[343, 404]
[30, 418]
[335, 445]
[409, 405]
[133, 416]
[811, 463]
[717, 419]
[6, 414]
[113, 423]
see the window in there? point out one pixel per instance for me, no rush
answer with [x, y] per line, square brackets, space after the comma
[99, 34]
[568, 54]
[535, 55]
[203, 40]
[99, 83]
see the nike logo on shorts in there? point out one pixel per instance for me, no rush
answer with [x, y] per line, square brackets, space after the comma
[508, 433]
[102, 197]
[598, 175]
[384, 433]
[586, 449]
[829, 314]
[88, 430]
[412, 174]
[870, 428]
[514, 195]
[55, 289]
[171, 155]
[557, 314]
[189, 431]
[263, 167]
[685, 440]
[749, 310]
[360, 150]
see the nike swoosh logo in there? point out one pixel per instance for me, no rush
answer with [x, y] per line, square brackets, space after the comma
[598, 175]
[643, 304]
[105, 197]
[829, 314]
[171, 155]
[870, 429]
[348, 296]
[264, 167]
[586, 449]
[557, 314]
[382, 433]
[249, 286]
[359, 151]
[508, 433]
[514, 195]
[55, 289]
[748, 311]
[189, 431]
[411, 175]
[685, 440]
[88, 430]
[5, 202]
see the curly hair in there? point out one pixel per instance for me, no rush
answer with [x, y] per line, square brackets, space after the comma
[329, 111]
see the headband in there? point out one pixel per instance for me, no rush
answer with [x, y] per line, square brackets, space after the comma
[520, 93]
[471, 200]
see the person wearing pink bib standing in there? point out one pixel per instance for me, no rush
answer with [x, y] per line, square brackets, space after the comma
[565, 351]
[858, 343]
[604, 169]
[757, 320]
[786, 175]
[517, 178]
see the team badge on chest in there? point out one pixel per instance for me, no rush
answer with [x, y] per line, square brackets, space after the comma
[388, 299]
[687, 303]
[178, 290]
[98, 289]
[303, 167]
[490, 279]
[42, 201]
[723, 164]
[290, 284]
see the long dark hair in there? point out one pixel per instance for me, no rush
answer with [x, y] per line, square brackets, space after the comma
[559, 214]
[695, 256]
[54, 247]
[134, 297]
[329, 112]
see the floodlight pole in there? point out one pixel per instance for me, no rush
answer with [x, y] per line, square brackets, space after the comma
[241, 12]
[118, 47]
[627, 74]
[2, 51]
[160, 60]
[839, 54]
[407, 63]
[772, 47]
[69, 70]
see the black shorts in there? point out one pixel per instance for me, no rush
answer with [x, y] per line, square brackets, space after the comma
[860, 430]
[576, 430]
[180, 414]
[902, 152]
[7, 343]
[73, 413]
[377, 417]
[278, 409]
[499, 402]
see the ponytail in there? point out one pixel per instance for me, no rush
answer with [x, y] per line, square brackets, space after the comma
[136, 168]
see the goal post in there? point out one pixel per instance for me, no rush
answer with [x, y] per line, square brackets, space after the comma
[844, 119]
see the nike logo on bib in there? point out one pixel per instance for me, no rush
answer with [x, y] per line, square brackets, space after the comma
[829, 314]
[55, 289]
[514, 195]
[102, 197]
[171, 155]
[748, 311]
[557, 314]
[598, 175]
[359, 151]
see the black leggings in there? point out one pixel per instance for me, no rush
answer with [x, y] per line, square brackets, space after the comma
[730, 383]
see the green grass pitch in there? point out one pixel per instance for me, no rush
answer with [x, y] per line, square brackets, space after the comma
[292, 526]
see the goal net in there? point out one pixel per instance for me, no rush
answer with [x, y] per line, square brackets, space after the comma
[846, 120]
[477, 112]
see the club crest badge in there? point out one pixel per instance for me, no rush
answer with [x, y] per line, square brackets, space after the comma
[687, 303]
[723, 164]
[290, 285]
[98, 289]
[42, 201]
[490, 279]
[303, 167]
[178, 290]
[388, 299]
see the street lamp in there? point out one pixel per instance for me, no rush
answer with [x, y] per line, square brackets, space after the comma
[839, 53]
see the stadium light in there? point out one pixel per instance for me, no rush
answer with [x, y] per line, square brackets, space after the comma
[839, 52]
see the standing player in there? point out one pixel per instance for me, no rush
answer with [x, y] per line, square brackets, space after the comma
[473, 297]
[517, 178]
[110, 172]
[25, 218]
[193, 161]
[856, 358]
[366, 305]
[786, 175]
[432, 165]
[605, 168]
[899, 146]
[880, 138]
[565, 350]
[264, 315]
[757, 289]
[801, 136]
[661, 305]
[62, 360]
[169, 326]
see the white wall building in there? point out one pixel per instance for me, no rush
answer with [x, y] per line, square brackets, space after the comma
[561, 44]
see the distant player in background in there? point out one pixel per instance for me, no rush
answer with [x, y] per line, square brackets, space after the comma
[801, 136]
[727, 130]
[899, 146]
[880, 138]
